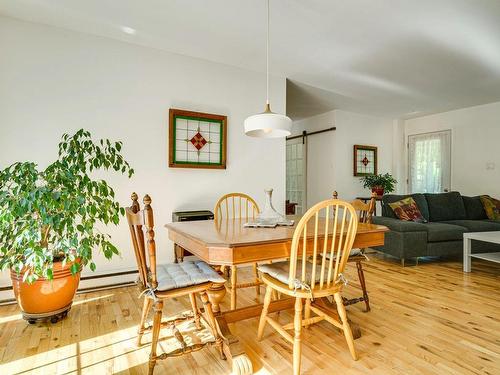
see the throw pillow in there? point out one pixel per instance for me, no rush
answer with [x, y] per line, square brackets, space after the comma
[407, 210]
[491, 206]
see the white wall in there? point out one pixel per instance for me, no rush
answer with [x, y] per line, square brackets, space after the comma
[330, 154]
[54, 81]
[475, 146]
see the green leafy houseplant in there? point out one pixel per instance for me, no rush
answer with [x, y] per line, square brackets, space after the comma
[50, 215]
[383, 183]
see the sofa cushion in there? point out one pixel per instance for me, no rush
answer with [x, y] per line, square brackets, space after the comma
[399, 225]
[491, 221]
[391, 198]
[491, 206]
[445, 206]
[477, 225]
[444, 232]
[407, 210]
[474, 209]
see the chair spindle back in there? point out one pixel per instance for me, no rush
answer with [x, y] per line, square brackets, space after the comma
[364, 210]
[137, 219]
[331, 243]
[236, 205]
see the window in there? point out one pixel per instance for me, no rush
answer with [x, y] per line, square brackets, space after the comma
[429, 162]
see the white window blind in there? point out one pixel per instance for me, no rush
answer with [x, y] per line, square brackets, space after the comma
[429, 162]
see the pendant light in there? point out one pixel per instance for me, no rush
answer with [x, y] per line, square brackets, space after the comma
[268, 124]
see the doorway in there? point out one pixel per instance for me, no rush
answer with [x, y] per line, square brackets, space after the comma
[296, 173]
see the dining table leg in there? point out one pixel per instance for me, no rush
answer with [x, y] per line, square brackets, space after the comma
[232, 347]
[216, 294]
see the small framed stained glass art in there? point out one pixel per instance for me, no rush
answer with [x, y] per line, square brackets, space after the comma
[197, 140]
[365, 160]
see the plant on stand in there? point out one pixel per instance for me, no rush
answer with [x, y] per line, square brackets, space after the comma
[48, 222]
[379, 183]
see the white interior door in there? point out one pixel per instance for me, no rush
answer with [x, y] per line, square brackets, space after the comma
[429, 159]
[296, 173]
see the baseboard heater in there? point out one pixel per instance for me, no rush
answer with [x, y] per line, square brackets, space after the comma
[88, 284]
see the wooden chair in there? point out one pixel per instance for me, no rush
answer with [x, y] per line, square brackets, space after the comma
[243, 207]
[309, 278]
[365, 213]
[161, 282]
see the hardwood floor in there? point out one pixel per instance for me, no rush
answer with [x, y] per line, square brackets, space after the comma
[429, 319]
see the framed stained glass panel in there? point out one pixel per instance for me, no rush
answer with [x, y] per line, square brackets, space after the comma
[197, 140]
[365, 160]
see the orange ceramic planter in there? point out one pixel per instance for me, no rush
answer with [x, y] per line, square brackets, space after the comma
[46, 298]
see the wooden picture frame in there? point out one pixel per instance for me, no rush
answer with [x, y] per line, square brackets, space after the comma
[197, 140]
[365, 160]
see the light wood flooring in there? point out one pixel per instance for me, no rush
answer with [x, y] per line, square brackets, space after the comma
[428, 319]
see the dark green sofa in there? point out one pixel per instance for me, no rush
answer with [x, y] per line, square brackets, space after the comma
[449, 216]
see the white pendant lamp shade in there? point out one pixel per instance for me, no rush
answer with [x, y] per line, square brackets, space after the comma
[268, 124]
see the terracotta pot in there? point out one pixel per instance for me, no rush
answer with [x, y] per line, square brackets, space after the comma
[46, 298]
[378, 190]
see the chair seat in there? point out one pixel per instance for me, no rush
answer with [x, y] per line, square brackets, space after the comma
[180, 275]
[280, 271]
[353, 253]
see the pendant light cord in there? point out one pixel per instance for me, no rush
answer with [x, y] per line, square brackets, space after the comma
[267, 55]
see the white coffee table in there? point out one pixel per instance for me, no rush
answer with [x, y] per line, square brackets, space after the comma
[493, 237]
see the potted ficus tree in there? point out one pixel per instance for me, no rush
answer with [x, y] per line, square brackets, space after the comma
[48, 221]
[379, 183]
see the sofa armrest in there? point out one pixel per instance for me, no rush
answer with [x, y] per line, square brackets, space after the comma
[399, 225]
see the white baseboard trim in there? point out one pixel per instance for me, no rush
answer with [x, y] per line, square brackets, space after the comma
[88, 283]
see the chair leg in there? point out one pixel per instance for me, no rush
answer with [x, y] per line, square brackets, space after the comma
[362, 281]
[234, 282]
[212, 323]
[297, 344]
[345, 324]
[192, 298]
[158, 307]
[256, 276]
[263, 314]
[307, 309]
[146, 307]
[224, 271]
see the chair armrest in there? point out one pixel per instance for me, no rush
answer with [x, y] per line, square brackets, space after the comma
[399, 225]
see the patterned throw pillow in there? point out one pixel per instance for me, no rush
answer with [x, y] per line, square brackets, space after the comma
[491, 206]
[407, 210]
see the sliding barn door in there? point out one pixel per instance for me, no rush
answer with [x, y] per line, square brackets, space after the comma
[296, 173]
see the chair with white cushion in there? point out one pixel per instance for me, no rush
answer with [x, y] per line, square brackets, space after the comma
[163, 281]
[365, 213]
[319, 252]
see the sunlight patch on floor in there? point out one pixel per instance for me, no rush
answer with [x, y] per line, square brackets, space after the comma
[86, 300]
[10, 318]
[105, 354]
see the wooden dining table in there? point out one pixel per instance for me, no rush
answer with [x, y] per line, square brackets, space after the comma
[228, 242]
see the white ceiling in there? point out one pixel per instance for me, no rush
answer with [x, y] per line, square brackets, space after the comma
[398, 58]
